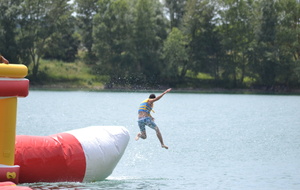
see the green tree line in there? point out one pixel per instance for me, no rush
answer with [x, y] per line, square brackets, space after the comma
[181, 43]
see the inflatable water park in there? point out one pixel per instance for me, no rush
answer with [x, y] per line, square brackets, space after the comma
[80, 155]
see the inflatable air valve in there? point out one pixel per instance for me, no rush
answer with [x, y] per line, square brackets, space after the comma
[81, 155]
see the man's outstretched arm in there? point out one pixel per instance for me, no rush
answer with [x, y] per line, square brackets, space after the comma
[160, 96]
[3, 60]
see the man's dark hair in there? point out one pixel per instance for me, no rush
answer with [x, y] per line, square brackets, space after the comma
[152, 96]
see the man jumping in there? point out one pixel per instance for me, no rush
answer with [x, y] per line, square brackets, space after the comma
[145, 118]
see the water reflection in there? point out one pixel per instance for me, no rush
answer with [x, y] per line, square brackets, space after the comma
[111, 183]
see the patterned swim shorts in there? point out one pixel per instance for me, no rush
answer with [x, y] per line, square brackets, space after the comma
[146, 121]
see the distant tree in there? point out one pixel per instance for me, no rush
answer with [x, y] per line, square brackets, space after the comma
[175, 54]
[38, 22]
[200, 25]
[63, 45]
[175, 10]
[288, 40]
[9, 12]
[85, 11]
[237, 28]
[113, 40]
[267, 62]
[149, 33]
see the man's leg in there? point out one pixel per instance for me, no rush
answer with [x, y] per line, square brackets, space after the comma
[142, 135]
[159, 136]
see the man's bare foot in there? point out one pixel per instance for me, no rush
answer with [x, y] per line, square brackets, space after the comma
[138, 136]
[164, 146]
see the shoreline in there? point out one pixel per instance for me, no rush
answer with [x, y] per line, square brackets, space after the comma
[68, 87]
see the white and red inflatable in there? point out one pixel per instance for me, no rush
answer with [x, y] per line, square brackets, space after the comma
[81, 155]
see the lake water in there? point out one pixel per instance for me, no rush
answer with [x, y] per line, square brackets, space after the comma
[216, 141]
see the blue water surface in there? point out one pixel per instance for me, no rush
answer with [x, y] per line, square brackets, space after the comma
[216, 141]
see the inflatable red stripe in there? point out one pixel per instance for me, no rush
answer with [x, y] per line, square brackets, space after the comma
[14, 87]
[49, 159]
[82, 155]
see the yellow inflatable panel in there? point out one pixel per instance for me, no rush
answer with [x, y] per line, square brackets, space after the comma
[8, 114]
[13, 70]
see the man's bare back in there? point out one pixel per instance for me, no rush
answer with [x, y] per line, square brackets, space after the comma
[143, 114]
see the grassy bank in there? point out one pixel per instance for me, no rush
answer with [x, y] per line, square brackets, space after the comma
[58, 75]
[61, 75]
